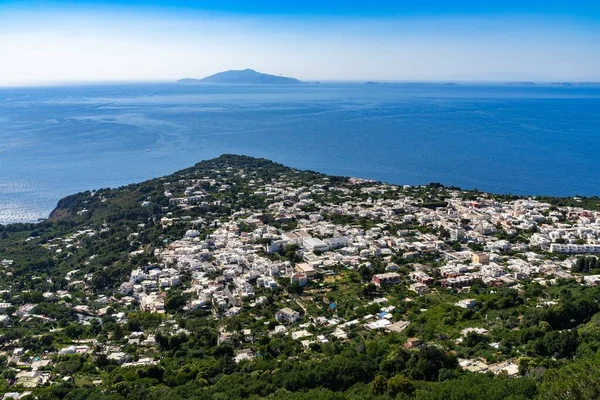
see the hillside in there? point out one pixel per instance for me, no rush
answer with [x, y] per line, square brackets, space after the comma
[241, 278]
[246, 76]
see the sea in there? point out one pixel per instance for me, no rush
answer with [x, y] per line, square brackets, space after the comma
[526, 140]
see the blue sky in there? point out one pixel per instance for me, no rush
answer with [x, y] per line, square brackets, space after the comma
[346, 7]
[65, 41]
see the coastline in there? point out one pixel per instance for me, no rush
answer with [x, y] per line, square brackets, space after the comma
[500, 139]
[474, 190]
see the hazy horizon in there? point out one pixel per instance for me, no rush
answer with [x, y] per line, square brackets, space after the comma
[499, 82]
[67, 42]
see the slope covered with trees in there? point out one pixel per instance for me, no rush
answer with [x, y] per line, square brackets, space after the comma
[70, 269]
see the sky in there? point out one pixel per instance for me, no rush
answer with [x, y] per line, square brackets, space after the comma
[54, 42]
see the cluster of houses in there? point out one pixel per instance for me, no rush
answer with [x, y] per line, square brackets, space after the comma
[35, 371]
[235, 260]
[230, 254]
[221, 263]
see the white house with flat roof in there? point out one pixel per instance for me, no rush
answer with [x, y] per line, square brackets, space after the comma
[575, 248]
[314, 244]
[287, 315]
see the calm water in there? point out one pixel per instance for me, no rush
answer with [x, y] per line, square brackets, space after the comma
[523, 140]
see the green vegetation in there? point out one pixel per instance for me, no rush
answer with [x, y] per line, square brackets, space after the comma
[71, 266]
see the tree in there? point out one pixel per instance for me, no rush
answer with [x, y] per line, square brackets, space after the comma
[379, 385]
[175, 302]
[295, 288]
[558, 344]
[586, 264]
[576, 381]
[427, 363]
[369, 290]
[366, 273]
[118, 332]
[74, 331]
[400, 384]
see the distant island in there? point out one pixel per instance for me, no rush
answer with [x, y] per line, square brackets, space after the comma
[521, 84]
[409, 83]
[246, 76]
[559, 84]
[562, 84]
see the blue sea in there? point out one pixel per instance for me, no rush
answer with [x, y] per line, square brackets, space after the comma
[505, 139]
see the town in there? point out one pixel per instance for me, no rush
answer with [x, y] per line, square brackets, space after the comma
[312, 259]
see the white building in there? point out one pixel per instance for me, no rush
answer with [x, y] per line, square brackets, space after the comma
[315, 244]
[287, 315]
[575, 248]
[466, 303]
[337, 242]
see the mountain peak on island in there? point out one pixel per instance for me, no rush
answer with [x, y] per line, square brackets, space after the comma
[245, 76]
